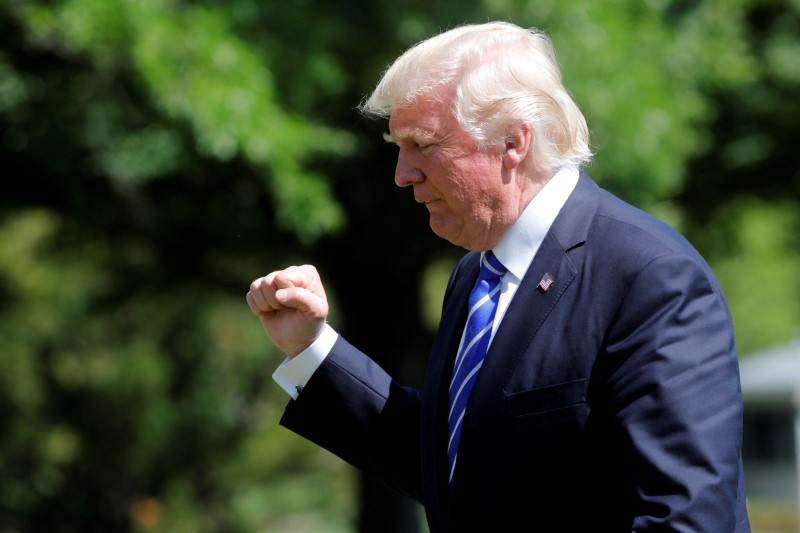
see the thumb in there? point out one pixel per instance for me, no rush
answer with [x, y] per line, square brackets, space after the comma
[308, 303]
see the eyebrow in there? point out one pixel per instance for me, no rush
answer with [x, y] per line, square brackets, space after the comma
[417, 135]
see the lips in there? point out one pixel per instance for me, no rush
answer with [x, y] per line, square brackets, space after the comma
[426, 201]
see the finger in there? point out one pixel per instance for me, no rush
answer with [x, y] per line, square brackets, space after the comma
[257, 296]
[254, 305]
[262, 293]
[259, 309]
[255, 299]
[292, 277]
[287, 282]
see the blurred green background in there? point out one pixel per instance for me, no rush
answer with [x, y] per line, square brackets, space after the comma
[158, 155]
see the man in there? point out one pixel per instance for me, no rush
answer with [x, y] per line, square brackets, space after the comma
[584, 375]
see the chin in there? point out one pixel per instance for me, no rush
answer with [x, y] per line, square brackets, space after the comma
[453, 233]
[440, 230]
[453, 237]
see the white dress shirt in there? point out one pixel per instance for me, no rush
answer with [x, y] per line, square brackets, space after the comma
[515, 250]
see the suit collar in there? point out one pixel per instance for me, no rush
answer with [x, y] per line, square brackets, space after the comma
[571, 226]
[519, 245]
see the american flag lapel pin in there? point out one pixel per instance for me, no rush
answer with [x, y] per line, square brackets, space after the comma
[547, 280]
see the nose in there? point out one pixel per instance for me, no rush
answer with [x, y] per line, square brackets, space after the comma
[406, 173]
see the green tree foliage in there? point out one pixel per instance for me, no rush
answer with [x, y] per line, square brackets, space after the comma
[759, 268]
[147, 162]
[192, 67]
[742, 195]
[159, 155]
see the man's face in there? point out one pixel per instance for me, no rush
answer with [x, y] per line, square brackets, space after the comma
[471, 198]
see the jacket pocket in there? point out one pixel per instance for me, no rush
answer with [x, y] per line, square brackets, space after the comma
[546, 399]
[549, 420]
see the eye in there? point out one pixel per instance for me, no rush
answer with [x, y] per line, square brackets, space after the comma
[426, 148]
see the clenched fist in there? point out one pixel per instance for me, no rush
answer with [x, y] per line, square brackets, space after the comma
[292, 306]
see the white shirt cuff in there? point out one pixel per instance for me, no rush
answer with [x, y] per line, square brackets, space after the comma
[293, 374]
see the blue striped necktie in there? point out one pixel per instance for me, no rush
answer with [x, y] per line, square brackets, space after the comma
[482, 306]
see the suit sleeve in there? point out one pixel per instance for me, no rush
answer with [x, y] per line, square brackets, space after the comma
[354, 409]
[675, 396]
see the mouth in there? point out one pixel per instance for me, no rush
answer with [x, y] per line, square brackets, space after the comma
[435, 206]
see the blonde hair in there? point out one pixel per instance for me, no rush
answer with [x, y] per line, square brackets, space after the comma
[499, 75]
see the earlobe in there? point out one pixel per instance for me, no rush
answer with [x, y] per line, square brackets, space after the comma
[519, 139]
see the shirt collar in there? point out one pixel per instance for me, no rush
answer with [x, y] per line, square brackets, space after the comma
[519, 245]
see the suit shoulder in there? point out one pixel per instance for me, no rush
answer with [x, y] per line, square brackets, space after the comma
[622, 224]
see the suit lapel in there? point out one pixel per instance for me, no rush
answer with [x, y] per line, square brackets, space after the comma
[523, 320]
[532, 304]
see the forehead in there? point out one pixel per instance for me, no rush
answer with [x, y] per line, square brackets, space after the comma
[424, 117]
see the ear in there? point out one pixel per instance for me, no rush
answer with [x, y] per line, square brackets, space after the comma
[519, 140]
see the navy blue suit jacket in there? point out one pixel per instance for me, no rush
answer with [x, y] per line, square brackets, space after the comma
[610, 402]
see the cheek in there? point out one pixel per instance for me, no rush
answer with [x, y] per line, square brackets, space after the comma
[480, 186]
[471, 182]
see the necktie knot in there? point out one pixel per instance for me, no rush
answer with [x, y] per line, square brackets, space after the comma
[491, 267]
